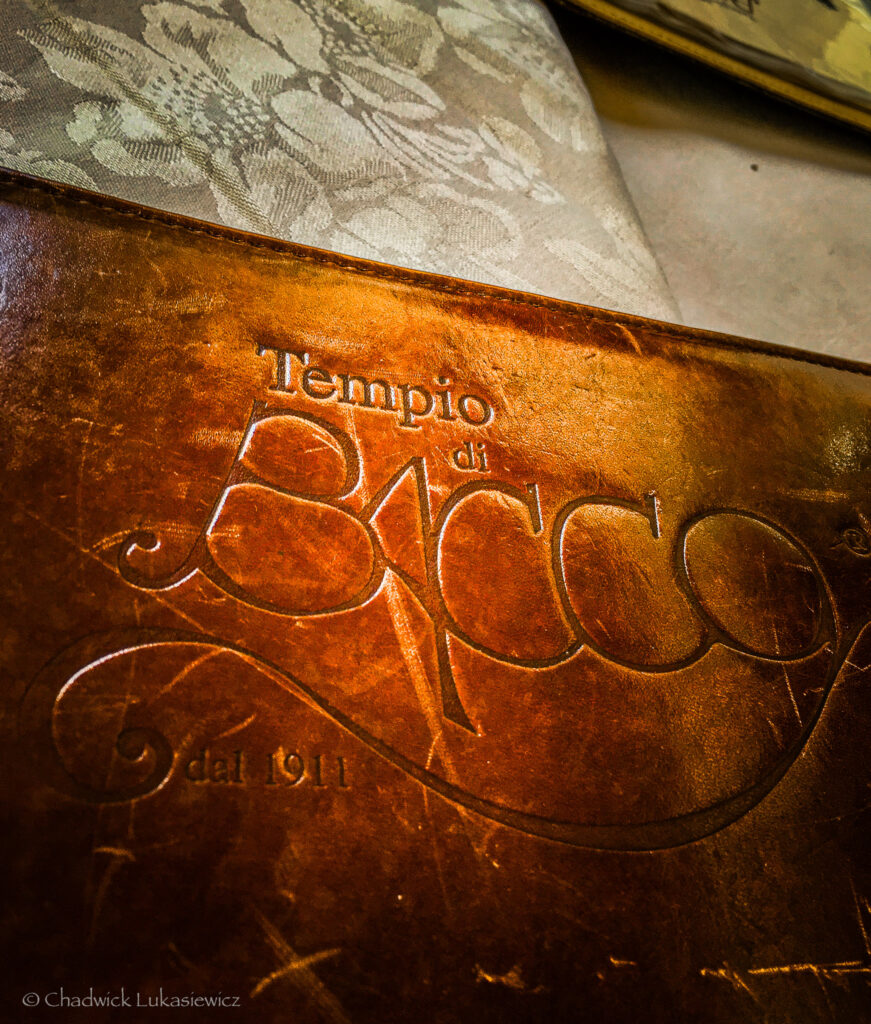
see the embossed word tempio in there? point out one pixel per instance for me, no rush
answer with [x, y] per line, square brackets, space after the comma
[415, 401]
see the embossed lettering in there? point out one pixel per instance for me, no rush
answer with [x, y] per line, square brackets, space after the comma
[483, 414]
[416, 401]
[367, 387]
[312, 590]
[689, 563]
[315, 377]
[408, 393]
[283, 367]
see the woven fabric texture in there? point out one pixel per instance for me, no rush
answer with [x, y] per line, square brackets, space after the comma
[453, 136]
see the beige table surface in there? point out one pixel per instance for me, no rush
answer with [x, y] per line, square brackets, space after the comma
[759, 213]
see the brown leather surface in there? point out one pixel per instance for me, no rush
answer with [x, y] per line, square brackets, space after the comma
[379, 647]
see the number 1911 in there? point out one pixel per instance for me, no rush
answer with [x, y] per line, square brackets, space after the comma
[291, 769]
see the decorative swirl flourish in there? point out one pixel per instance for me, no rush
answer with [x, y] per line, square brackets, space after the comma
[65, 670]
[36, 722]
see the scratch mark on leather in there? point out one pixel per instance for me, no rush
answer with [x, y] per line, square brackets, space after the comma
[236, 728]
[436, 844]
[183, 673]
[835, 971]
[107, 565]
[832, 970]
[616, 962]
[408, 645]
[115, 851]
[791, 693]
[726, 973]
[294, 964]
[417, 672]
[103, 890]
[510, 979]
[863, 910]
[298, 970]
[630, 337]
[80, 488]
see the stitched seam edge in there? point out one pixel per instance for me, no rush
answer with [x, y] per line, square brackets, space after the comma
[461, 288]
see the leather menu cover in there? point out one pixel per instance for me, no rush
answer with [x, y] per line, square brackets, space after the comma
[385, 647]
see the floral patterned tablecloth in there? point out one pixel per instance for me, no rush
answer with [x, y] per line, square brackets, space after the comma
[453, 136]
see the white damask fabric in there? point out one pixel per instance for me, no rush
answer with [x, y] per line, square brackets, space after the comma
[453, 136]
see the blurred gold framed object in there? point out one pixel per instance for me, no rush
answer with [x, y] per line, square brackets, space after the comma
[781, 86]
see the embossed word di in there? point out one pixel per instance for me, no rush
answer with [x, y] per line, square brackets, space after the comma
[255, 496]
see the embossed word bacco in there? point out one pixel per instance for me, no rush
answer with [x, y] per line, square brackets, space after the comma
[288, 511]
